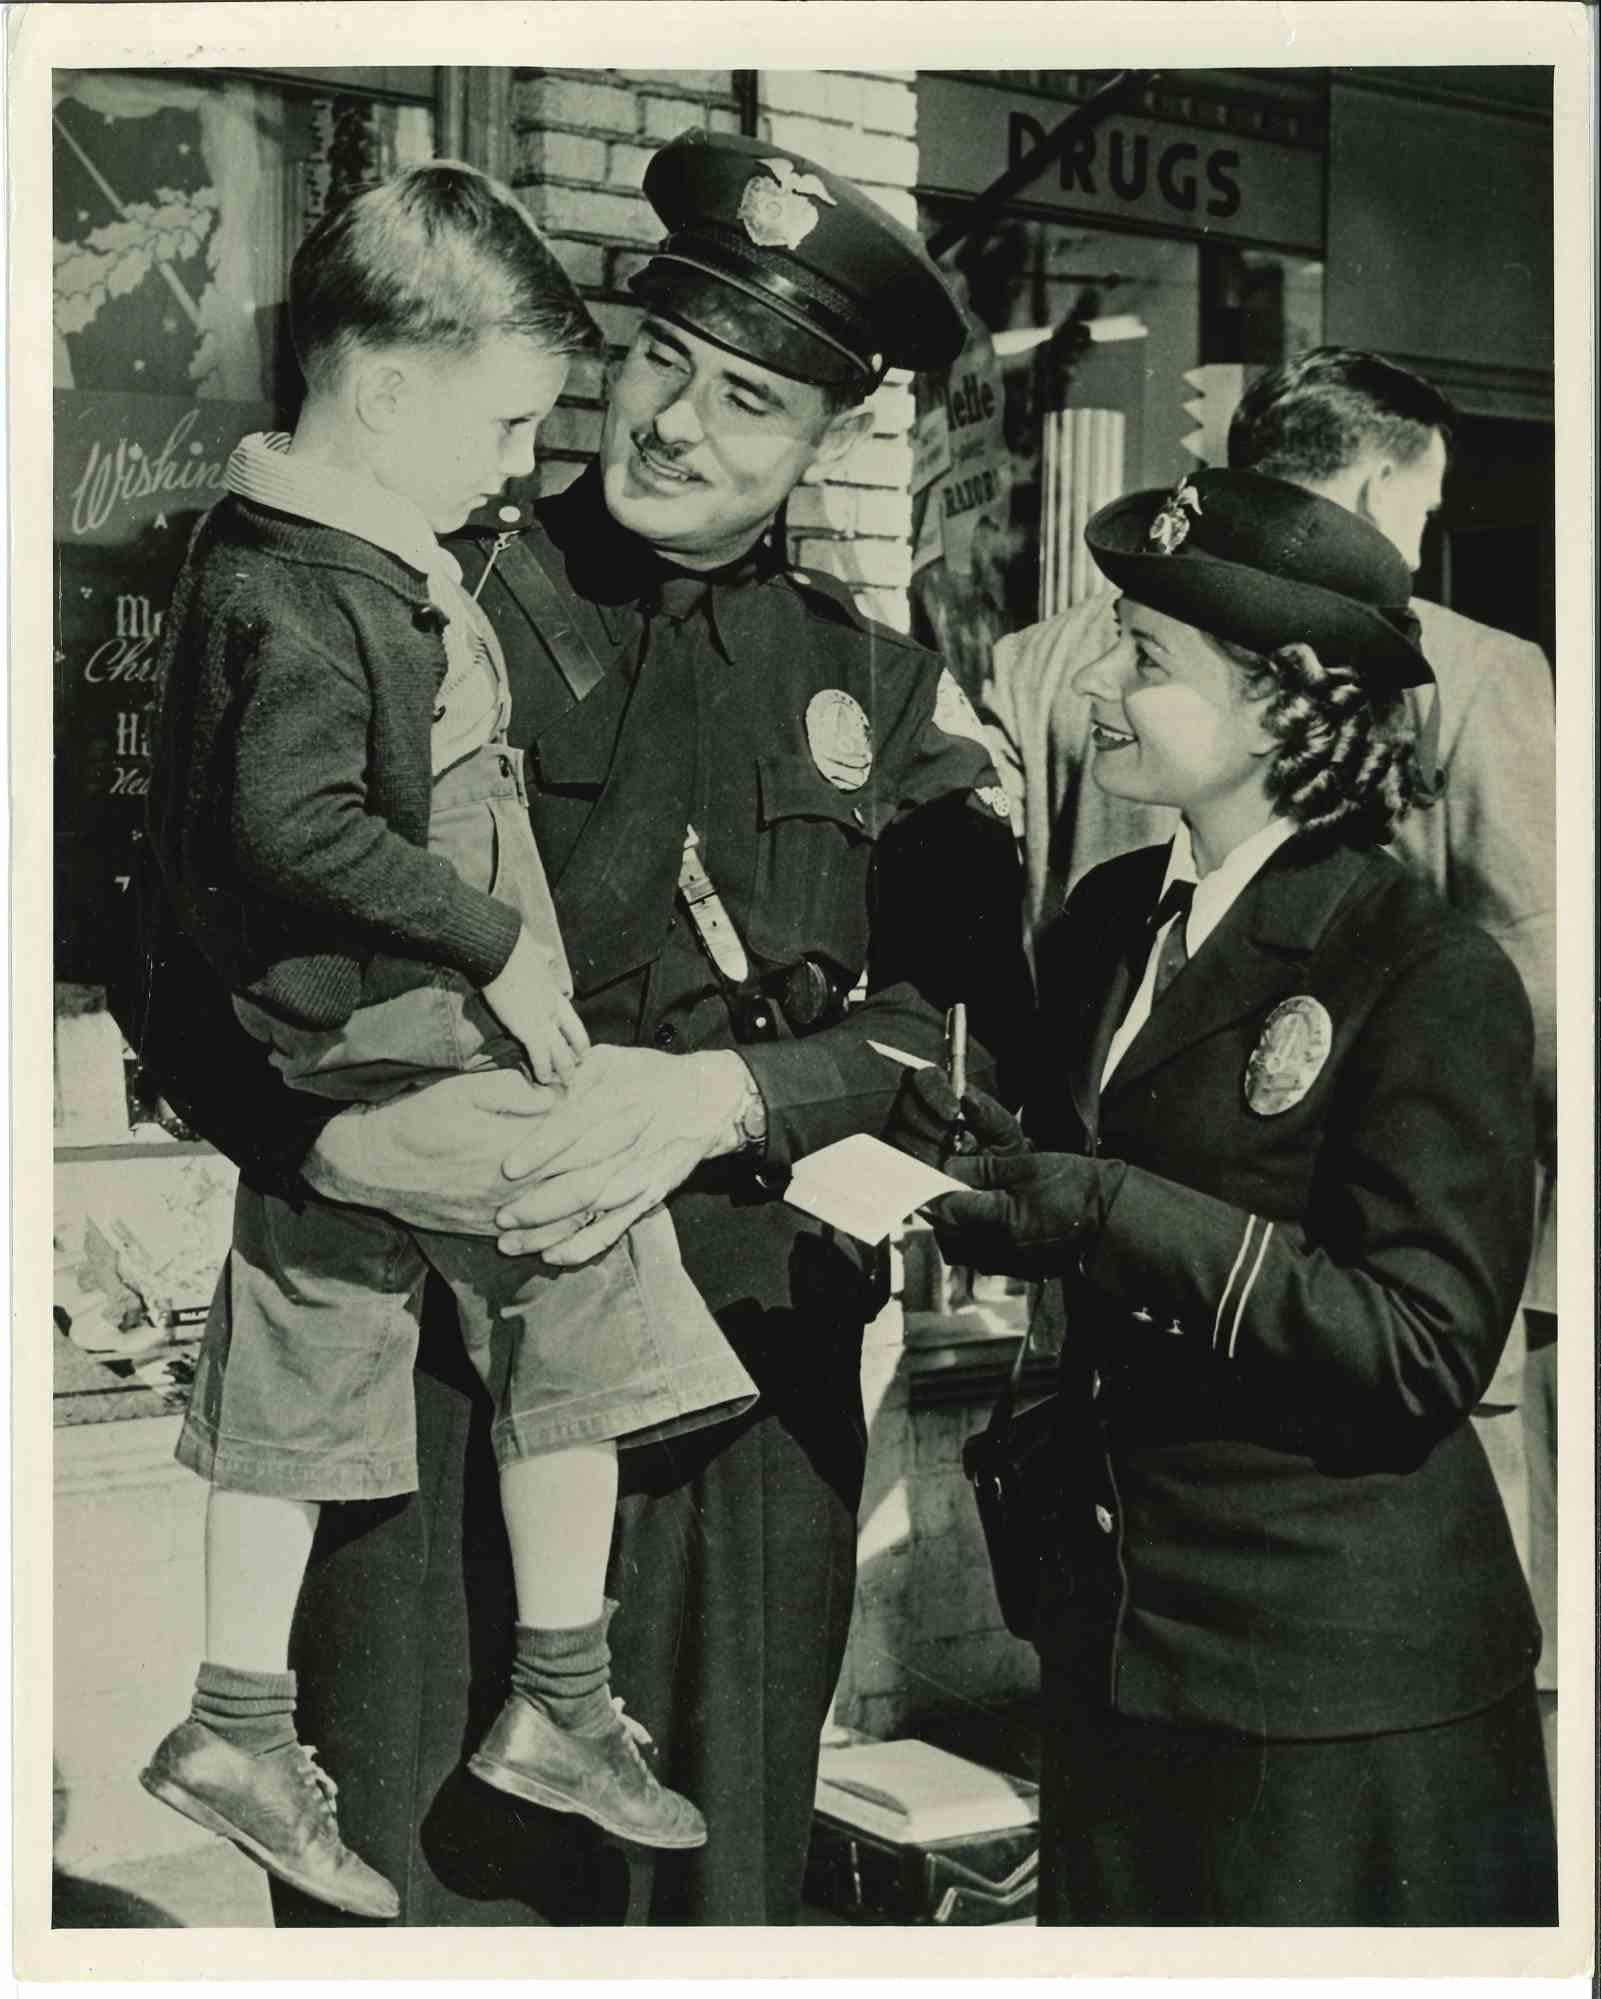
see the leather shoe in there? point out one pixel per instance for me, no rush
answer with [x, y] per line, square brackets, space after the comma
[602, 1776]
[278, 1808]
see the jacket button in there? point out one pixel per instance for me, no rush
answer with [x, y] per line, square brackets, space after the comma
[1175, 1327]
[505, 766]
[1103, 1519]
[1095, 1385]
[666, 1034]
[1143, 1315]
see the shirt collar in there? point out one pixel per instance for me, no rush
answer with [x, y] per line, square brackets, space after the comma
[262, 468]
[681, 594]
[609, 565]
[1217, 894]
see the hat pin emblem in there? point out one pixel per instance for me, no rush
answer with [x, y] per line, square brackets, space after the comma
[1171, 526]
[777, 213]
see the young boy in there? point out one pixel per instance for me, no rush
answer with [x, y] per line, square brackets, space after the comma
[341, 826]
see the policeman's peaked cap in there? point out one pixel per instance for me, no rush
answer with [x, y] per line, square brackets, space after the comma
[776, 258]
[1266, 564]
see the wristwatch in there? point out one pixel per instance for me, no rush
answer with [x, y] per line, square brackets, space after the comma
[750, 1118]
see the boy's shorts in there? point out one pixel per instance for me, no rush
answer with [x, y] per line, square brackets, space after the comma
[303, 1387]
[304, 1383]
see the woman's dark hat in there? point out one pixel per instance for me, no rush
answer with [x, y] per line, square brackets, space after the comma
[771, 255]
[1266, 564]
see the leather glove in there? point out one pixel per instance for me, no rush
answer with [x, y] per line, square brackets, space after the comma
[929, 1123]
[1028, 1214]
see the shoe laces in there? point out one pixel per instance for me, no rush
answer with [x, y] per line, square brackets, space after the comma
[635, 1734]
[636, 1731]
[317, 1778]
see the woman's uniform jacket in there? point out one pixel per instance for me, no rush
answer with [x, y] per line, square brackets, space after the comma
[1488, 847]
[1278, 1519]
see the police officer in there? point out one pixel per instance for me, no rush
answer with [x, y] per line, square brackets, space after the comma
[749, 798]
[1287, 1648]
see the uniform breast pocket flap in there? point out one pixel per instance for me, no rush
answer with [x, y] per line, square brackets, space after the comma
[792, 787]
[814, 858]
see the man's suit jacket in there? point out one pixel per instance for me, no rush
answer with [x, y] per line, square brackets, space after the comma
[1489, 846]
[1279, 1519]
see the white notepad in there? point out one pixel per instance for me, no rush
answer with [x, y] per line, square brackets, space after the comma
[865, 1187]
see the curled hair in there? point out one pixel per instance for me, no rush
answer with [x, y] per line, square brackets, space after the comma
[1319, 412]
[439, 257]
[1346, 765]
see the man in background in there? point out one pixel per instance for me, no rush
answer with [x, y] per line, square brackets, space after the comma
[1374, 438]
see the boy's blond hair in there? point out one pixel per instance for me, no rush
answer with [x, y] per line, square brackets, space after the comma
[438, 257]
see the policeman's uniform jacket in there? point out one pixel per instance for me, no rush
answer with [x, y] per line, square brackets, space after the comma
[1278, 1520]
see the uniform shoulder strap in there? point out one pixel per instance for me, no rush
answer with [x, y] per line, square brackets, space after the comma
[550, 615]
[832, 596]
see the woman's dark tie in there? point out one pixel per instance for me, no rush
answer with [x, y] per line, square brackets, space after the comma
[1174, 954]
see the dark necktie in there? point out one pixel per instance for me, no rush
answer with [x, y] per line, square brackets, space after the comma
[672, 629]
[677, 597]
[1174, 954]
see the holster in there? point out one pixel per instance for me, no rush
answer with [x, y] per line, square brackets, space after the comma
[788, 1002]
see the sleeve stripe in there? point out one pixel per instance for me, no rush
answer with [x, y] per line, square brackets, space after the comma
[1267, 1237]
[1245, 1244]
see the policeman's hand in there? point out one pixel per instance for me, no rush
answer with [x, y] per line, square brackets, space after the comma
[632, 1127]
[529, 998]
[1028, 1214]
[929, 1123]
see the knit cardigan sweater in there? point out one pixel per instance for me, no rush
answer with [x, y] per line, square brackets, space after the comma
[289, 799]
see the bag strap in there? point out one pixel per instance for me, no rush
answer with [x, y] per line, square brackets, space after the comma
[1000, 1422]
[715, 930]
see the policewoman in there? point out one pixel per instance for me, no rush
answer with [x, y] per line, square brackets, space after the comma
[1283, 1120]
[749, 798]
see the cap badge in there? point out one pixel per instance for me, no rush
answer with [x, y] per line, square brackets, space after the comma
[781, 217]
[1289, 1058]
[1171, 526]
[840, 738]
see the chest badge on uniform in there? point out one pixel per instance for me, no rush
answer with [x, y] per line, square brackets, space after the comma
[840, 738]
[1289, 1058]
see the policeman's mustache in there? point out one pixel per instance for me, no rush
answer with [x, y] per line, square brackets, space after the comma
[658, 447]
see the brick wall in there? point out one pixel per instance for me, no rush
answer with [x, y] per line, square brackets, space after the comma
[580, 142]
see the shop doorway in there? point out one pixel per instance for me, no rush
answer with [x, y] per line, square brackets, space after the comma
[1491, 551]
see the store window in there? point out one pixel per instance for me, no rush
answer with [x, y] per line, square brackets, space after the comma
[179, 200]
[1099, 362]
[1165, 248]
